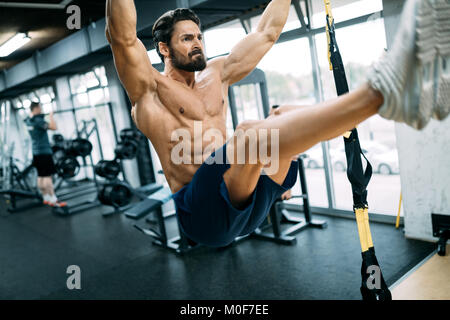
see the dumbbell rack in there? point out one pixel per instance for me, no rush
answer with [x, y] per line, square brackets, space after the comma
[74, 208]
[117, 192]
[76, 190]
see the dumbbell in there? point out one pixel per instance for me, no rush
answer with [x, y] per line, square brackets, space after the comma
[130, 134]
[67, 167]
[116, 194]
[128, 146]
[107, 169]
[126, 150]
[79, 147]
[58, 144]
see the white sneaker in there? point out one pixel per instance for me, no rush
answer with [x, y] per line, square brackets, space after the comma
[441, 11]
[408, 75]
[46, 199]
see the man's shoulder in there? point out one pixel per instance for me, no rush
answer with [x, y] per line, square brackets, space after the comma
[217, 62]
[216, 66]
[39, 119]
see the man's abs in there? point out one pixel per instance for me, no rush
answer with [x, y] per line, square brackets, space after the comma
[184, 125]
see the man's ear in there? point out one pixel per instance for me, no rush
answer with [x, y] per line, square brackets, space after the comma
[164, 49]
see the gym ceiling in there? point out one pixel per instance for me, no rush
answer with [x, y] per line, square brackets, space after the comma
[56, 51]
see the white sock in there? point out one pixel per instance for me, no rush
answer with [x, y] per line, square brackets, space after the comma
[46, 197]
[53, 199]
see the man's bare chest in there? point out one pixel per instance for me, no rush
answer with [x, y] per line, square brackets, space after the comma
[205, 101]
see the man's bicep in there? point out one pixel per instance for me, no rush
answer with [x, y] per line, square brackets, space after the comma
[134, 69]
[52, 127]
[245, 56]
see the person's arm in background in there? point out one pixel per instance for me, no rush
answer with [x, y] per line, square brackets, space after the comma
[51, 122]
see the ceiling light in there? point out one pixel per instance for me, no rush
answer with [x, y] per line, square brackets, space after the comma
[13, 44]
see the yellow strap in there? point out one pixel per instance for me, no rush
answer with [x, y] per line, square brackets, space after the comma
[397, 223]
[361, 229]
[365, 236]
[328, 8]
[367, 226]
[330, 19]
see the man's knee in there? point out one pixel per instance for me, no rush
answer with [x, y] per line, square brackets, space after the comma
[248, 125]
[243, 147]
[256, 142]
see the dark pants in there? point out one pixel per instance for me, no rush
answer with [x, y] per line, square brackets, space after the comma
[205, 212]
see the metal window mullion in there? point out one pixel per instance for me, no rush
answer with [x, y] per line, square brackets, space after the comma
[246, 25]
[300, 14]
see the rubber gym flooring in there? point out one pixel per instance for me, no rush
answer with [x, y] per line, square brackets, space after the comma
[119, 262]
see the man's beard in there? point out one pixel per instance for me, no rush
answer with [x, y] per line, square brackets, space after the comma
[179, 62]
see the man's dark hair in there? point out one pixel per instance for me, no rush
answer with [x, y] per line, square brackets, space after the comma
[34, 105]
[164, 26]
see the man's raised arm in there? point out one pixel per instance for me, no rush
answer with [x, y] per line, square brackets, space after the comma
[130, 55]
[246, 55]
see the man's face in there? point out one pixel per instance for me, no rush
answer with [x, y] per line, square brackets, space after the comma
[37, 110]
[186, 47]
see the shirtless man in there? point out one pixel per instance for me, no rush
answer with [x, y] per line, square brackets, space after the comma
[216, 202]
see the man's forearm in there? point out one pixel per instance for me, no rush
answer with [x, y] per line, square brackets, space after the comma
[52, 123]
[274, 18]
[121, 20]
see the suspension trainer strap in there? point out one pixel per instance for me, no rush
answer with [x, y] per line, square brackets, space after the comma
[373, 286]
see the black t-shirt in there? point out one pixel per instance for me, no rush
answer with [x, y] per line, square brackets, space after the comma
[37, 127]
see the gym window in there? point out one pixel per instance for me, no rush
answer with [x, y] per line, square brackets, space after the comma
[90, 89]
[220, 40]
[292, 22]
[344, 10]
[91, 100]
[290, 68]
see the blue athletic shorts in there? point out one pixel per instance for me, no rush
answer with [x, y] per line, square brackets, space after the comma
[204, 210]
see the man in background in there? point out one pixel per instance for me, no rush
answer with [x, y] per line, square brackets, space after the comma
[42, 152]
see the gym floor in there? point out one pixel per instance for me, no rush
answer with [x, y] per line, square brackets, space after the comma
[430, 280]
[119, 262]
